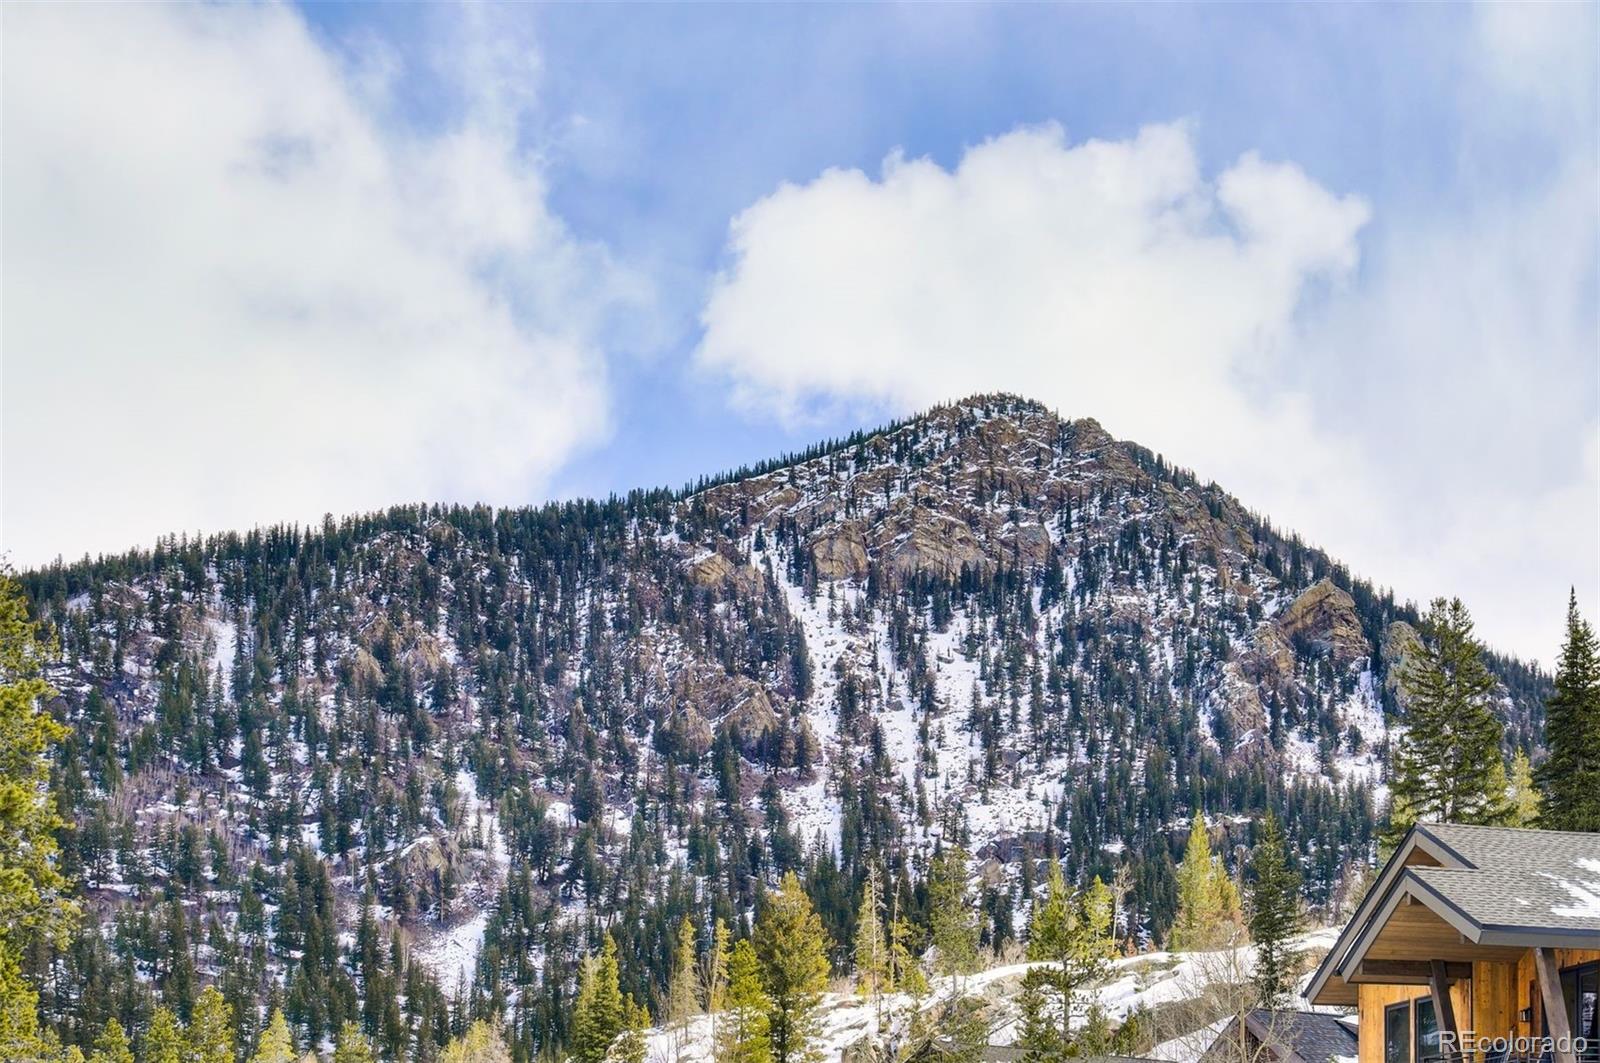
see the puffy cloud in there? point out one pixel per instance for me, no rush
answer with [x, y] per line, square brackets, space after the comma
[237, 292]
[1111, 279]
[1416, 414]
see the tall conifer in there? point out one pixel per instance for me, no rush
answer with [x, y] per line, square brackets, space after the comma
[1445, 763]
[1570, 773]
[1274, 915]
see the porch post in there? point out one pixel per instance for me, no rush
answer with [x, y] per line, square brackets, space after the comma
[1444, 1011]
[1555, 1008]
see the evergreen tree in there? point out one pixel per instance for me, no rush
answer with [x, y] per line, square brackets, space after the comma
[952, 924]
[683, 998]
[33, 902]
[793, 949]
[276, 1044]
[111, 1045]
[1570, 773]
[743, 1036]
[1445, 763]
[1274, 915]
[163, 1041]
[631, 1044]
[1069, 936]
[1208, 902]
[210, 1035]
[597, 1015]
[871, 954]
[1522, 795]
[352, 1046]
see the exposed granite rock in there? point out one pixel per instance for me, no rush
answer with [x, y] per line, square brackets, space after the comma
[1325, 616]
[716, 571]
[840, 553]
[1400, 643]
[933, 544]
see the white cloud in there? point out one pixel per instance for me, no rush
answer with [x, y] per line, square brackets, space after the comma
[235, 293]
[1219, 319]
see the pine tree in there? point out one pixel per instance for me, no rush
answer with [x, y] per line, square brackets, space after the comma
[33, 901]
[1069, 936]
[1522, 795]
[276, 1044]
[683, 998]
[872, 955]
[743, 1036]
[210, 1035]
[1570, 774]
[952, 924]
[111, 1045]
[1445, 762]
[163, 1041]
[597, 1015]
[1274, 915]
[793, 949]
[352, 1046]
[1208, 902]
[905, 973]
[630, 1044]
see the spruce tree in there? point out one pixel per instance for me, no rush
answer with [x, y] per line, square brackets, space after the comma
[597, 1015]
[683, 997]
[210, 1034]
[352, 1046]
[1570, 774]
[952, 924]
[163, 1041]
[743, 1036]
[1069, 938]
[33, 901]
[793, 949]
[1522, 795]
[1274, 915]
[276, 1045]
[631, 1043]
[871, 953]
[1208, 902]
[111, 1045]
[1445, 763]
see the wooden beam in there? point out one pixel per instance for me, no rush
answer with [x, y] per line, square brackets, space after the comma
[1414, 971]
[1554, 1005]
[1444, 1011]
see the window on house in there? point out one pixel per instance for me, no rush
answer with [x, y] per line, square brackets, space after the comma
[1397, 1033]
[1427, 1024]
[1581, 988]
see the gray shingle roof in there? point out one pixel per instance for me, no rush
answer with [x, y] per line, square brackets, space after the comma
[1519, 878]
[1313, 1036]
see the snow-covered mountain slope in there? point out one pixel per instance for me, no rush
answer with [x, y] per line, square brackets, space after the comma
[306, 758]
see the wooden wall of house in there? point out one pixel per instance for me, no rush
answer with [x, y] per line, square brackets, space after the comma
[1490, 1004]
[1527, 991]
[1375, 998]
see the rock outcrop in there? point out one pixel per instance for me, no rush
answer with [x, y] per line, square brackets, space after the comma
[1325, 617]
[840, 553]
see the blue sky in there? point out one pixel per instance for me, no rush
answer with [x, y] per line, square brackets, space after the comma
[387, 252]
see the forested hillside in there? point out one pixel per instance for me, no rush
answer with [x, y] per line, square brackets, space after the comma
[408, 768]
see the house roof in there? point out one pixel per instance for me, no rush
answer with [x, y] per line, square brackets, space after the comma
[1296, 1036]
[1495, 887]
